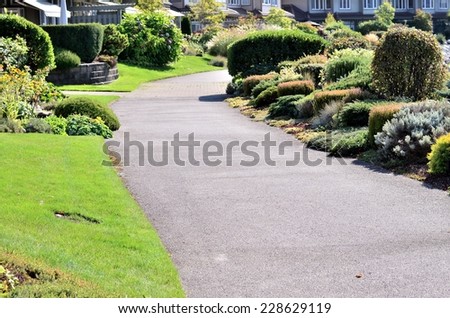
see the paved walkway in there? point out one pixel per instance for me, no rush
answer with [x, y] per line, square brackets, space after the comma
[336, 229]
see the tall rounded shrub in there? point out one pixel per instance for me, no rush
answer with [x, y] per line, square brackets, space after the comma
[154, 39]
[40, 48]
[260, 52]
[408, 63]
[114, 42]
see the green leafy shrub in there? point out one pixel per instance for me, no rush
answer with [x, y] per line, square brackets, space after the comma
[285, 106]
[40, 48]
[360, 77]
[408, 63]
[354, 42]
[218, 45]
[186, 26]
[266, 97]
[335, 26]
[439, 157]
[311, 71]
[65, 59]
[38, 125]
[370, 26]
[343, 62]
[321, 99]
[154, 39]
[378, 116]
[295, 88]
[250, 82]
[355, 114]
[411, 132]
[10, 126]
[340, 143]
[80, 125]
[85, 40]
[58, 124]
[114, 42]
[85, 106]
[264, 50]
[13, 52]
[422, 21]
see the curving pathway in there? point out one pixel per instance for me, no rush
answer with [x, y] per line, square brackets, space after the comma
[337, 229]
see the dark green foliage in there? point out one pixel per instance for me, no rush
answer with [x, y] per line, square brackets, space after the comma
[349, 42]
[341, 143]
[38, 125]
[409, 135]
[313, 71]
[285, 106]
[408, 63]
[360, 77]
[440, 38]
[422, 21]
[80, 125]
[154, 39]
[65, 59]
[378, 116]
[267, 97]
[439, 157]
[58, 124]
[250, 82]
[367, 27]
[262, 86]
[343, 62]
[40, 48]
[85, 106]
[305, 106]
[355, 114]
[186, 27]
[85, 40]
[295, 88]
[262, 51]
[114, 42]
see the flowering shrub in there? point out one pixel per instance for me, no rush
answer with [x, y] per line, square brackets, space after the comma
[153, 39]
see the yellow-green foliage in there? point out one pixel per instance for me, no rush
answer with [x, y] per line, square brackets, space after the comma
[378, 116]
[439, 157]
[295, 88]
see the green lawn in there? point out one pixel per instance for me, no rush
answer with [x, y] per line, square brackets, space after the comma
[133, 76]
[121, 256]
[104, 100]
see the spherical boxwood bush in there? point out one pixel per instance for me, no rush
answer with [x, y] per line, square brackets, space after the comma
[66, 59]
[260, 52]
[439, 157]
[154, 39]
[40, 48]
[87, 107]
[408, 63]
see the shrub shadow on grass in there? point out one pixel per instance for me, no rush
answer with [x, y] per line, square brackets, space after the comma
[213, 98]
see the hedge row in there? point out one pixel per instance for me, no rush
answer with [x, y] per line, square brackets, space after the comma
[85, 40]
[262, 51]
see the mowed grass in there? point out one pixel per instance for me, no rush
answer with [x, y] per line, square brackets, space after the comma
[121, 256]
[130, 77]
[104, 100]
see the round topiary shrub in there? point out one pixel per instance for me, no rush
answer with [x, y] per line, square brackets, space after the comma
[439, 157]
[65, 59]
[40, 48]
[260, 52]
[87, 107]
[408, 63]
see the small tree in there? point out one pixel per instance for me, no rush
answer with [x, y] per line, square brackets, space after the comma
[422, 21]
[408, 63]
[186, 27]
[330, 19]
[207, 12]
[385, 13]
[277, 17]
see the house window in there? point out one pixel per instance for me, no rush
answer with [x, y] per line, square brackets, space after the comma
[370, 4]
[321, 5]
[401, 4]
[233, 2]
[274, 2]
[266, 2]
[427, 4]
[245, 2]
[443, 4]
[344, 4]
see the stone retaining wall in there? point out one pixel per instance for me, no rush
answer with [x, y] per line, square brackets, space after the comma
[86, 73]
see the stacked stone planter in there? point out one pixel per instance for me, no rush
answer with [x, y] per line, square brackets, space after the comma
[86, 73]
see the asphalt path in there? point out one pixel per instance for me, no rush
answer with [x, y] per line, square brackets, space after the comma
[250, 221]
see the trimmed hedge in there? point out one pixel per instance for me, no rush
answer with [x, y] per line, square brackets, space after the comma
[378, 116]
[85, 40]
[262, 51]
[40, 48]
[250, 82]
[295, 88]
[87, 107]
